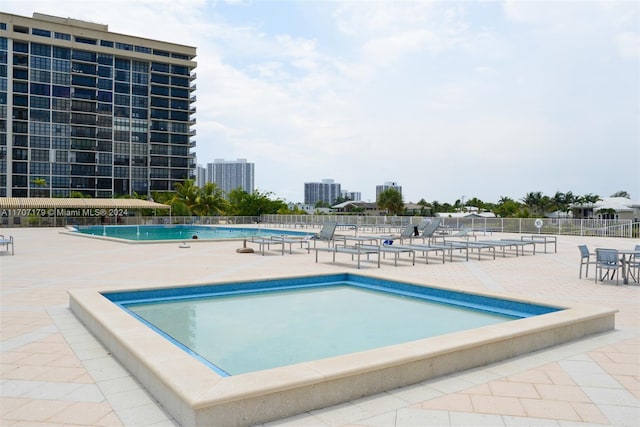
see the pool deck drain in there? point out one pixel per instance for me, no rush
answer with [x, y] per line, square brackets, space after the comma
[55, 372]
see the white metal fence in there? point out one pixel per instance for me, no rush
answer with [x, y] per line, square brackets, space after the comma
[576, 227]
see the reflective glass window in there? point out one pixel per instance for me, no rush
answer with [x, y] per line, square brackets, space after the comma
[105, 84]
[40, 89]
[61, 91]
[62, 36]
[82, 55]
[40, 49]
[41, 33]
[40, 102]
[20, 47]
[41, 62]
[61, 52]
[104, 71]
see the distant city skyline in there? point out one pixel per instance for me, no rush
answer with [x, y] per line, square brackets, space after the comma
[481, 99]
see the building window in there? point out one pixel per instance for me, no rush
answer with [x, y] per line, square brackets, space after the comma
[82, 55]
[160, 67]
[61, 65]
[61, 79]
[142, 49]
[20, 47]
[124, 46]
[62, 36]
[40, 76]
[40, 49]
[41, 62]
[61, 91]
[41, 33]
[40, 89]
[105, 59]
[61, 52]
[106, 43]
[85, 40]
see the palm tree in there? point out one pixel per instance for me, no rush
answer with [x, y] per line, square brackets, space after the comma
[621, 193]
[533, 200]
[391, 200]
[211, 201]
[186, 196]
[423, 206]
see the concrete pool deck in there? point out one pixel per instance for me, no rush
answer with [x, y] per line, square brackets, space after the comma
[55, 373]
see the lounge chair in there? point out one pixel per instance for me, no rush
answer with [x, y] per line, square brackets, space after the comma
[354, 251]
[6, 242]
[395, 250]
[326, 233]
[464, 233]
[608, 261]
[429, 230]
[585, 259]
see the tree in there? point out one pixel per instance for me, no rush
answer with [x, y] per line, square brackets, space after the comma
[621, 193]
[506, 208]
[185, 198]
[533, 200]
[423, 206]
[341, 199]
[254, 204]
[589, 198]
[477, 203]
[391, 200]
[211, 201]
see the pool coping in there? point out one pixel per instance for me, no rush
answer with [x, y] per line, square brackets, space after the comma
[195, 395]
[185, 241]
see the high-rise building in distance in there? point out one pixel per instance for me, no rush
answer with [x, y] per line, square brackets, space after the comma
[386, 186]
[231, 175]
[326, 191]
[87, 110]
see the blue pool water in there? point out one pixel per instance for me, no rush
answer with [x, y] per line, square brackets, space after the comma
[180, 232]
[249, 326]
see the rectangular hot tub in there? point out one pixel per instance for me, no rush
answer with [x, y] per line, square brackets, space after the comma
[200, 388]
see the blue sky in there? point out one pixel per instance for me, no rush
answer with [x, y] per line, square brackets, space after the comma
[448, 99]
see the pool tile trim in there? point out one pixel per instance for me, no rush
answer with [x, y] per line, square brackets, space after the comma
[195, 395]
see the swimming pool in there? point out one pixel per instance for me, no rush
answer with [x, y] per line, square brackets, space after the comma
[196, 395]
[277, 323]
[179, 232]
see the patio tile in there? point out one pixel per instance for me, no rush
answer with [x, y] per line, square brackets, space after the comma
[513, 389]
[497, 405]
[538, 408]
[561, 392]
[82, 413]
[450, 402]
[43, 343]
[37, 410]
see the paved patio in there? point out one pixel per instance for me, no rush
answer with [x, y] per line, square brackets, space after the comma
[54, 373]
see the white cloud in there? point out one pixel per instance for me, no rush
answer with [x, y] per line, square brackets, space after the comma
[447, 98]
[628, 45]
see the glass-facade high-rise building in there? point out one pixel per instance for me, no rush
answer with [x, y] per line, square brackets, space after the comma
[231, 175]
[326, 191]
[389, 185]
[86, 110]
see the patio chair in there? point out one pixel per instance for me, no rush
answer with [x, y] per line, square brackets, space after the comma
[429, 230]
[634, 265]
[6, 242]
[326, 232]
[585, 259]
[607, 261]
